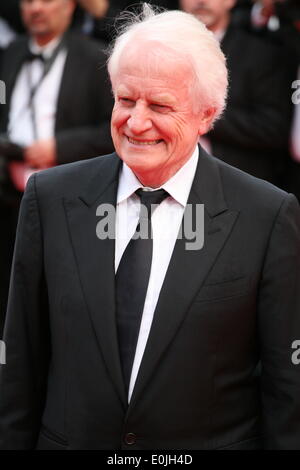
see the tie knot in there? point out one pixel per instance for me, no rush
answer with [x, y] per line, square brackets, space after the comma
[149, 198]
[30, 57]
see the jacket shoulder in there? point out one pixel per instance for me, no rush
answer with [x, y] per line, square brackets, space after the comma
[13, 51]
[86, 47]
[243, 191]
[20, 41]
[71, 179]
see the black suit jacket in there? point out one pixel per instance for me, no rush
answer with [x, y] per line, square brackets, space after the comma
[222, 311]
[82, 124]
[253, 134]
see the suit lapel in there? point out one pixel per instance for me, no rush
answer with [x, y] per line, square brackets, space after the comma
[95, 261]
[177, 294]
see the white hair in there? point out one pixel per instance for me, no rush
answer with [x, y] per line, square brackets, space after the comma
[187, 36]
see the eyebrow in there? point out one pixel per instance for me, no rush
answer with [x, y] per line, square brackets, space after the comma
[159, 98]
[163, 98]
[122, 90]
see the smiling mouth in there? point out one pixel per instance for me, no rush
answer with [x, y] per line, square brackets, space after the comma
[144, 142]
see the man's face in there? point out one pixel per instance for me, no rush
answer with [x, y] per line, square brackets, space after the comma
[210, 12]
[46, 17]
[155, 126]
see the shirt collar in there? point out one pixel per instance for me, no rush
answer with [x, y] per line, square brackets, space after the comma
[46, 50]
[219, 35]
[178, 186]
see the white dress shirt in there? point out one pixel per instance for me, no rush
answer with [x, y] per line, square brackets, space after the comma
[166, 221]
[20, 126]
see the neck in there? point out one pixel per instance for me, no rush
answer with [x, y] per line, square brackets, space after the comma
[44, 40]
[156, 178]
[221, 25]
[150, 182]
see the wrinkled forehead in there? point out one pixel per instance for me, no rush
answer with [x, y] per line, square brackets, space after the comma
[152, 59]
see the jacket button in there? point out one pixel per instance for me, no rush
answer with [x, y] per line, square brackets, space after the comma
[130, 438]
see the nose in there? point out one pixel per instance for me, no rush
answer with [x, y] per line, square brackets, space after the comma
[35, 5]
[139, 120]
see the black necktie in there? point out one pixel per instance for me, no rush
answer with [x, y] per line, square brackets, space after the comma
[30, 57]
[132, 281]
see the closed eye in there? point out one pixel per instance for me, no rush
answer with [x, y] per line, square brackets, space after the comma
[126, 101]
[161, 108]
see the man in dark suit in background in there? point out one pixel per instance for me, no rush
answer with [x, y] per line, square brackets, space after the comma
[176, 331]
[286, 16]
[67, 116]
[253, 134]
[293, 176]
[82, 108]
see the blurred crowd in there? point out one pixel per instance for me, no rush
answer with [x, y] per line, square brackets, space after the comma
[56, 99]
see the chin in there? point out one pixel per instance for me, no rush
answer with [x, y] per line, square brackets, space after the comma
[137, 163]
[140, 164]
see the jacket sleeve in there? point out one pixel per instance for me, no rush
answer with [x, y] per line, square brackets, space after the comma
[26, 334]
[279, 328]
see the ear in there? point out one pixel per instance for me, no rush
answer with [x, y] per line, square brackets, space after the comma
[206, 120]
[230, 4]
[71, 7]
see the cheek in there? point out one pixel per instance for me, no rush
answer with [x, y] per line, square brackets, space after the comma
[118, 118]
[116, 123]
[168, 127]
[25, 14]
[179, 129]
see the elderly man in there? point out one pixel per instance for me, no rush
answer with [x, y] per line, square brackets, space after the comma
[117, 340]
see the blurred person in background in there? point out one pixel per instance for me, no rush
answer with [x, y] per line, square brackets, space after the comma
[90, 18]
[293, 175]
[279, 21]
[58, 106]
[275, 16]
[97, 17]
[254, 131]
